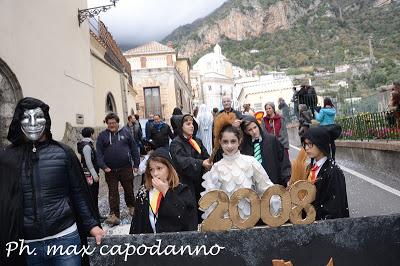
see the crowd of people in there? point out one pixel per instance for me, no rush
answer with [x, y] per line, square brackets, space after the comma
[214, 149]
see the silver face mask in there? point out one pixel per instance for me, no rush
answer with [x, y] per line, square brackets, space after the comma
[33, 123]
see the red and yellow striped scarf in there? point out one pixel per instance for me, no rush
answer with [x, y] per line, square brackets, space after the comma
[194, 144]
[155, 200]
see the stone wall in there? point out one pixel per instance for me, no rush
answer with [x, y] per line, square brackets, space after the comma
[73, 134]
[10, 94]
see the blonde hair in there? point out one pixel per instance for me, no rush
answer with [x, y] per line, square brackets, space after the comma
[173, 178]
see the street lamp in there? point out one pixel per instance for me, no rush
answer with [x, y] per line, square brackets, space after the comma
[94, 11]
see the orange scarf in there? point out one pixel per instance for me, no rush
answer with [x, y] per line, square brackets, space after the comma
[194, 144]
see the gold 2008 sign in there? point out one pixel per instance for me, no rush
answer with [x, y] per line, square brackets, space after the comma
[299, 197]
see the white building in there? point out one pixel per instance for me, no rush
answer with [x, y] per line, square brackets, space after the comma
[216, 78]
[267, 88]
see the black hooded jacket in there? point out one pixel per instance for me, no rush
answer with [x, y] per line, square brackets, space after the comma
[188, 162]
[274, 159]
[42, 192]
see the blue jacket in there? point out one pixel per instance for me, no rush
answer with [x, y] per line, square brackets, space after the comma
[326, 116]
[117, 150]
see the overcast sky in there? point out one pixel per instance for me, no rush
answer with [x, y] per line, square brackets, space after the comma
[134, 22]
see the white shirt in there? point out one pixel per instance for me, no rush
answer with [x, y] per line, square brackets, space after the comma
[320, 163]
[65, 232]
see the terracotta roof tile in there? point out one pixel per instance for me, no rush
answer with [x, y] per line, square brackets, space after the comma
[150, 48]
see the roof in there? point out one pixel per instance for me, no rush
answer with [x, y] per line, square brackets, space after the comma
[150, 48]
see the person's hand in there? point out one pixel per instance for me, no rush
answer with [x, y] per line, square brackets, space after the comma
[237, 123]
[98, 233]
[207, 164]
[107, 170]
[96, 178]
[160, 185]
[135, 170]
[288, 185]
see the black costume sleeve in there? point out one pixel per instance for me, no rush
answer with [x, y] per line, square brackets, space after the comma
[285, 165]
[335, 203]
[178, 205]
[183, 161]
[135, 223]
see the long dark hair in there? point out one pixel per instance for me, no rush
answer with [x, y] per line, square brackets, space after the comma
[328, 102]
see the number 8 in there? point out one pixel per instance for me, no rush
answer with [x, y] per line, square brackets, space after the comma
[301, 202]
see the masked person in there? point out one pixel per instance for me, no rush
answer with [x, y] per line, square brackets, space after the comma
[44, 197]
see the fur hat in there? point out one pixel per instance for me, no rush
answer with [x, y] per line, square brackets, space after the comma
[319, 136]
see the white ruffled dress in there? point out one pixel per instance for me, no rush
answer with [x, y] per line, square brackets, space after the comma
[237, 171]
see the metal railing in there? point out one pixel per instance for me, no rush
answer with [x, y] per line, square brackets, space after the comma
[366, 126]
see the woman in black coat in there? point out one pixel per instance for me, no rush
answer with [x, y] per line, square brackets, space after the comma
[190, 157]
[162, 203]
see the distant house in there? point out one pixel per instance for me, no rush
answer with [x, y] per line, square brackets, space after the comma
[161, 78]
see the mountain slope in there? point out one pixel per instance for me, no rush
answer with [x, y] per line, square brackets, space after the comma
[293, 33]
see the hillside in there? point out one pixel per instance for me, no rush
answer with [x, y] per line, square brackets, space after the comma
[296, 33]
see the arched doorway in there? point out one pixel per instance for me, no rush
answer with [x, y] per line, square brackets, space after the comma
[10, 94]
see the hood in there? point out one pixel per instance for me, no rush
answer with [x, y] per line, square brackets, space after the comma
[15, 134]
[329, 111]
[179, 119]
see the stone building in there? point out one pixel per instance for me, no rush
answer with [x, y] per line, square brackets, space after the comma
[161, 79]
[45, 53]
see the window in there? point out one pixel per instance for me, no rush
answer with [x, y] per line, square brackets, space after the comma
[152, 101]
[110, 104]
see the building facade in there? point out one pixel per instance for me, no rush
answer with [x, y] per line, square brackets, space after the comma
[45, 53]
[257, 91]
[161, 79]
[112, 79]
